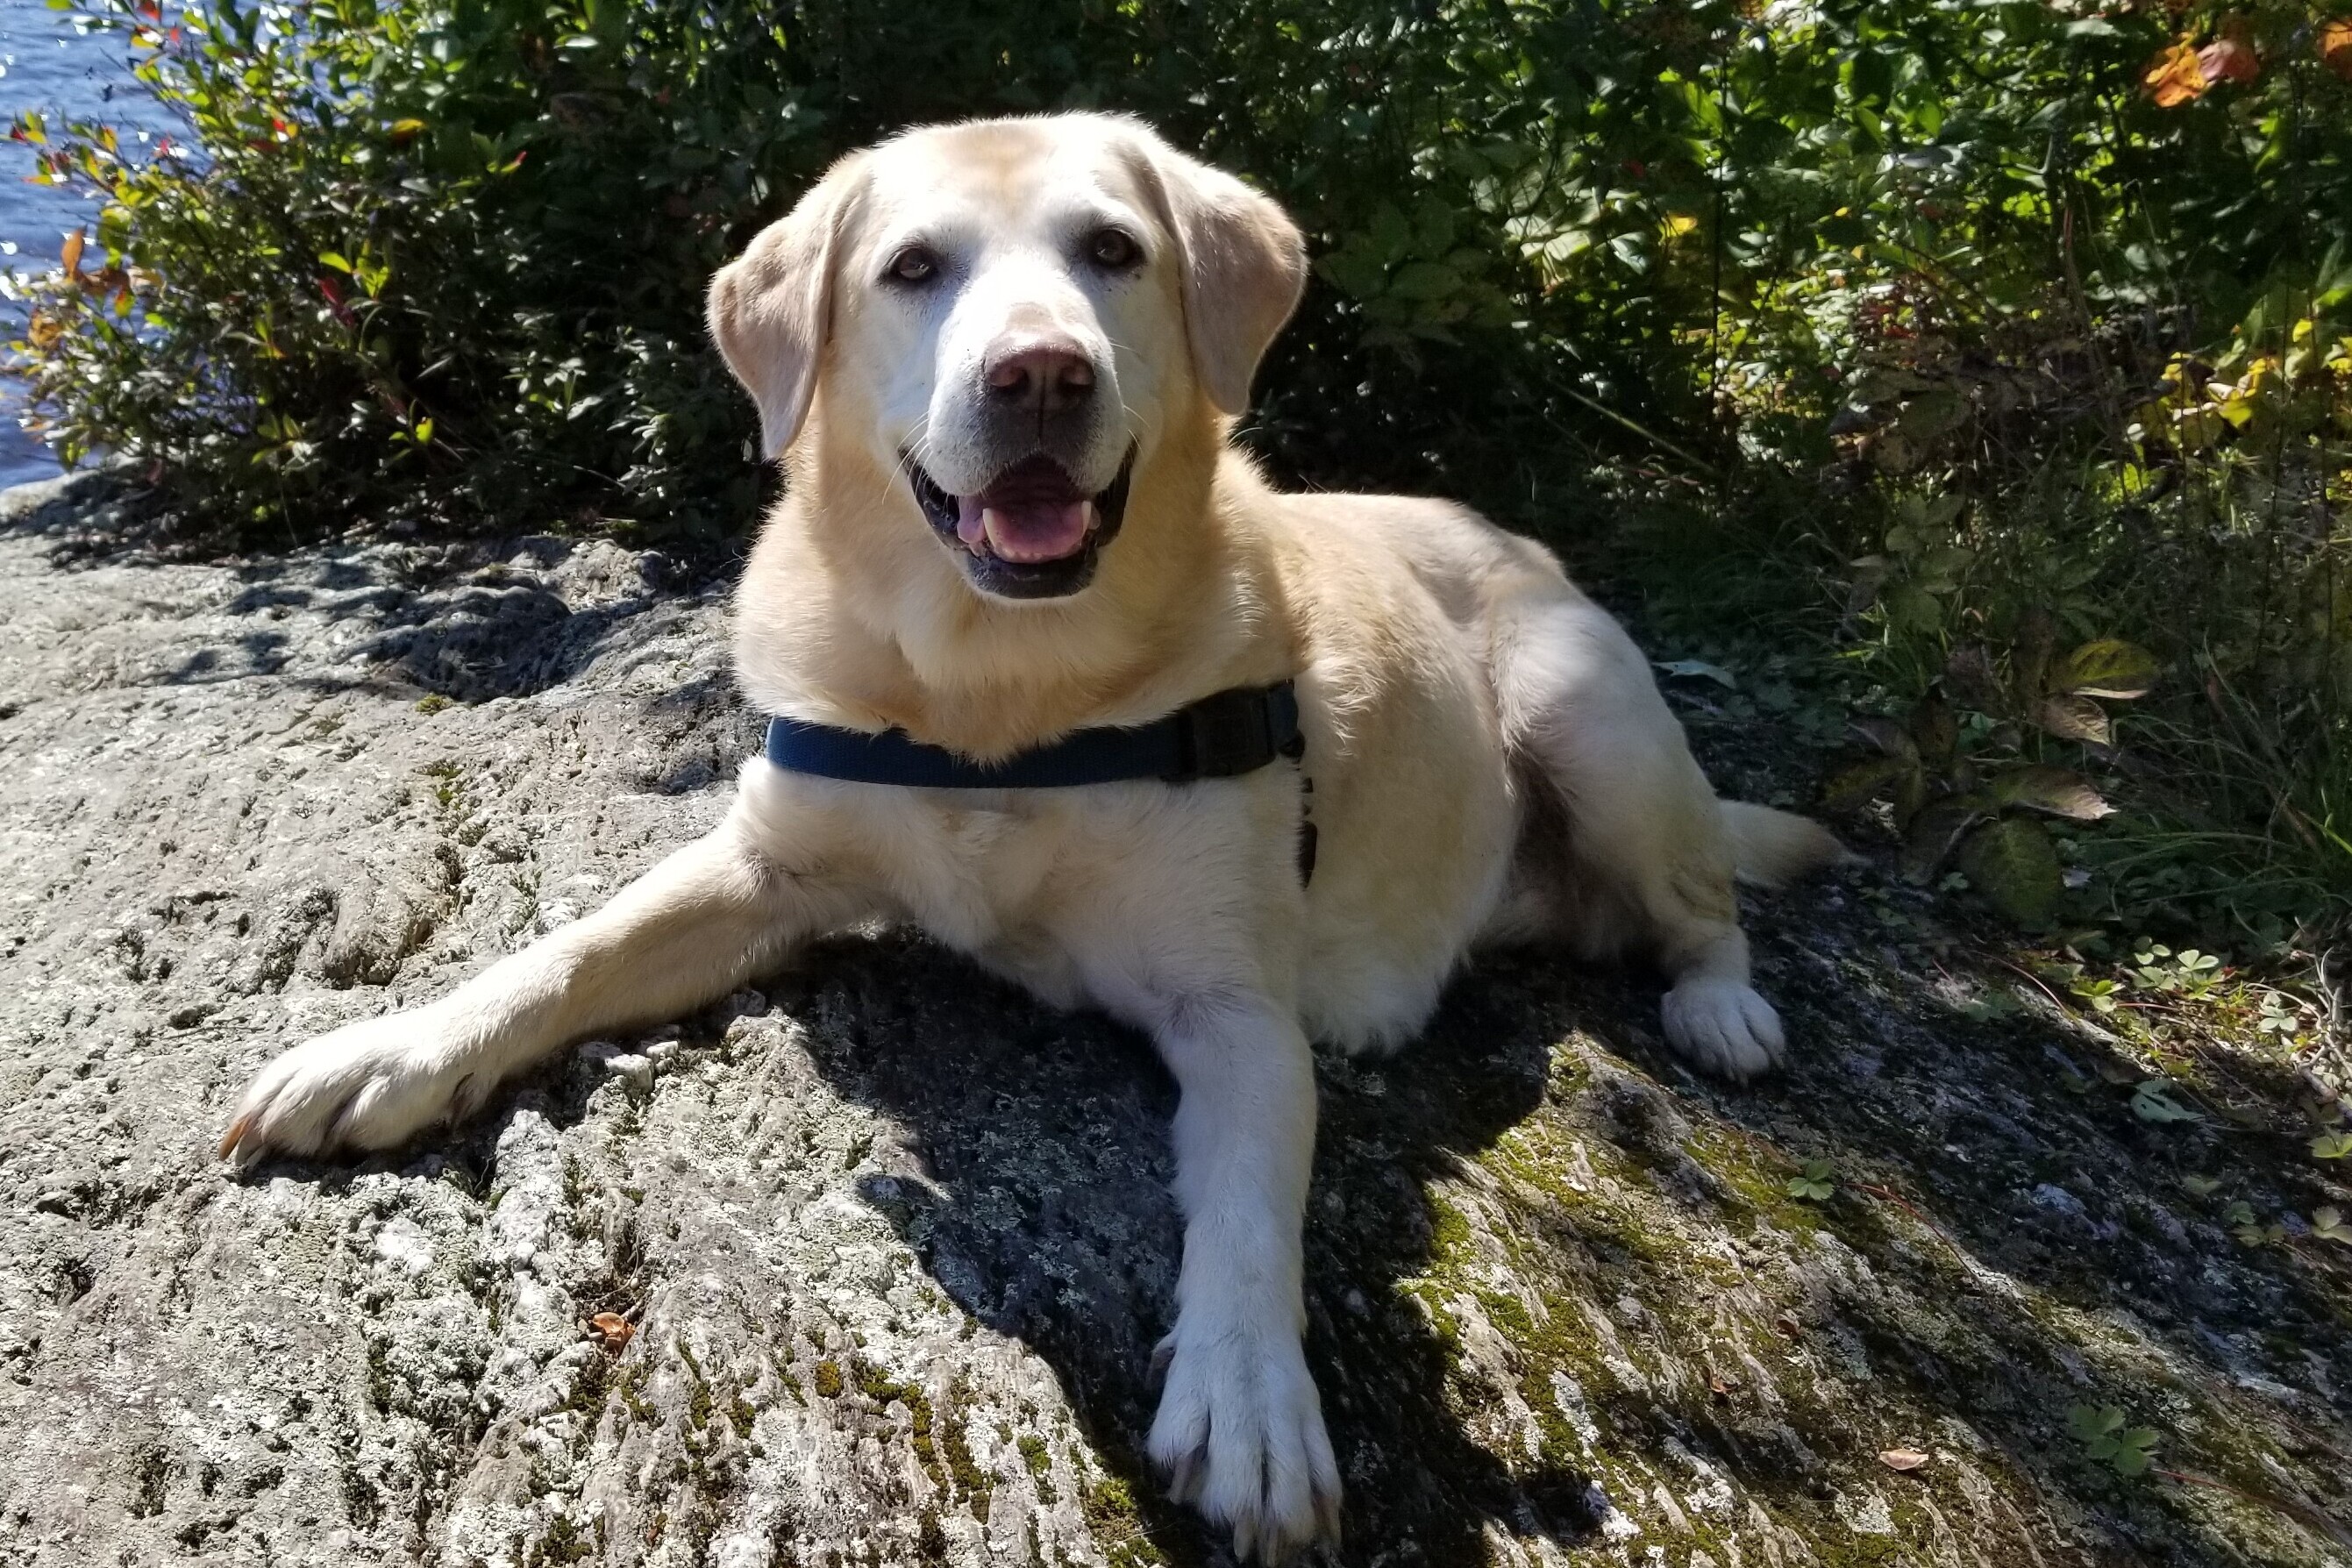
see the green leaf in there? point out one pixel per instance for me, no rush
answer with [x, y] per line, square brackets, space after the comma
[2091, 1422]
[1426, 282]
[1889, 738]
[1932, 834]
[1815, 1183]
[1858, 785]
[2332, 1146]
[1934, 414]
[2127, 1450]
[2107, 668]
[2153, 1101]
[2327, 1224]
[2061, 792]
[336, 260]
[2013, 863]
[1935, 730]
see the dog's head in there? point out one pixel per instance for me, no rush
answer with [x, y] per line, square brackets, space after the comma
[1010, 315]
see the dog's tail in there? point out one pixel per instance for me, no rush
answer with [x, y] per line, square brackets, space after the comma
[1772, 848]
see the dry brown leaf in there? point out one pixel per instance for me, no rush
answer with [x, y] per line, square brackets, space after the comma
[2336, 46]
[70, 254]
[612, 1328]
[1903, 1459]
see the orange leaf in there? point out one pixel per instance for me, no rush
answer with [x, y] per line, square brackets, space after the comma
[2174, 77]
[2336, 46]
[1903, 1459]
[70, 254]
[2229, 59]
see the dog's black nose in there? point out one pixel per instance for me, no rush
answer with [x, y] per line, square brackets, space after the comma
[1045, 373]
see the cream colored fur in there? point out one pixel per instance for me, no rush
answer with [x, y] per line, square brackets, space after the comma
[1490, 757]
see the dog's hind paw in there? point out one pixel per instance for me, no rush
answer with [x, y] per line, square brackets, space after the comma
[370, 1085]
[1240, 1436]
[1722, 1028]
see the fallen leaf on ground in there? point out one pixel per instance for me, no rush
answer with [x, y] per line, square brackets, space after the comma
[1903, 1459]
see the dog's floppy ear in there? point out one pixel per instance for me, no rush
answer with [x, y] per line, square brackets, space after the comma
[1244, 265]
[771, 308]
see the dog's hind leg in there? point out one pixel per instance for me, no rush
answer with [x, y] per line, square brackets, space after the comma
[1648, 854]
[690, 930]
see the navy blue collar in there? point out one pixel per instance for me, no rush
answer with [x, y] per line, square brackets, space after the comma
[1221, 736]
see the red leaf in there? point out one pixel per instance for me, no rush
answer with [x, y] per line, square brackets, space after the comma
[2229, 59]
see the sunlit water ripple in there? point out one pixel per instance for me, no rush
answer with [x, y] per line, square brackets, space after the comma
[48, 63]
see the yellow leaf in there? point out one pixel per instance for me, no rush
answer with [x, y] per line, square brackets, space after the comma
[1678, 223]
[2174, 77]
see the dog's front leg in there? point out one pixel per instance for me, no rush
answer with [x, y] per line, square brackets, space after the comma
[691, 930]
[1240, 1430]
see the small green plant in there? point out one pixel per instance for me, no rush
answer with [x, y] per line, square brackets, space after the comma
[2332, 1146]
[1815, 1183]
[2153, 1101]
[2249, 1228]
[2186, 973]
[2129, 1451]
[2280, 1016]
[2327, 1224]
[1964, 773]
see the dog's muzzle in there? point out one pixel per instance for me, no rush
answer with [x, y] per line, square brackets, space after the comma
[1030, 532]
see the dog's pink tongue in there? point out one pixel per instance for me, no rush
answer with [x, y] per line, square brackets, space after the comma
[1024, 530]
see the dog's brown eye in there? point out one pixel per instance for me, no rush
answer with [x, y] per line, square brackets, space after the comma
[914, 264]
[1114, 248]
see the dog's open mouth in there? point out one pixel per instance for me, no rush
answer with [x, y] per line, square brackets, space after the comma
[1031, 533]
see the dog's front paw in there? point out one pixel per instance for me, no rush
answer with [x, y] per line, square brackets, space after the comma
[1722, 1028]
[366, 1085]
[1240, 1436]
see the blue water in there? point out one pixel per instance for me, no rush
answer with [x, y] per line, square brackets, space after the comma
[48, 63]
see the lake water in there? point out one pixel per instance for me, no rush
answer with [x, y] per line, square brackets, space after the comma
[47, 63]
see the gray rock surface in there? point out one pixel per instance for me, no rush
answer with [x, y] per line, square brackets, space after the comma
[885, 1247]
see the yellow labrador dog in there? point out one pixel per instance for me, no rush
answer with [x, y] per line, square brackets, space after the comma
[1001, 362]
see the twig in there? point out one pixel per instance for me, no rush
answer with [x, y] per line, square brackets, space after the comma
[2063, 1010]
[1701, 464]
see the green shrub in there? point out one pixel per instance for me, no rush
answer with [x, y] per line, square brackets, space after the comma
[1966, 318]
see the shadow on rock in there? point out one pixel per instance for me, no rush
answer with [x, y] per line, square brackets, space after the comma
[1046, 1216]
